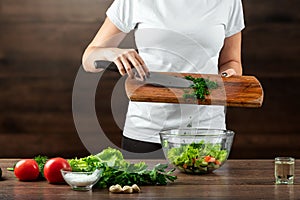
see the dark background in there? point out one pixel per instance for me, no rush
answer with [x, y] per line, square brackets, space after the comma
[41, 44]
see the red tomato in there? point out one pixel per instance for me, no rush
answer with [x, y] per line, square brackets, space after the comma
[52, 169]
[27, 170]
[209, 159]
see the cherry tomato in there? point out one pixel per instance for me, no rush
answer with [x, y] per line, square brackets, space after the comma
[52, 169]
[27, 170]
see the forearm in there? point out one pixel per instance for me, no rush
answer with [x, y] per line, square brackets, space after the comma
[230, 56]
[92, 54]
[103, 46]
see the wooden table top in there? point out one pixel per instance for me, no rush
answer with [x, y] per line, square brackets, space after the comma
[237, 179]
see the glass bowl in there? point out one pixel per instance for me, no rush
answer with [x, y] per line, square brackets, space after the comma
[81, 180]
[196, 151]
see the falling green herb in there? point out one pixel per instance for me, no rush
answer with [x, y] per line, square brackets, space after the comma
[201, 88]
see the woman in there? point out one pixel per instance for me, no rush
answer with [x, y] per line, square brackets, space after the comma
[202, 36]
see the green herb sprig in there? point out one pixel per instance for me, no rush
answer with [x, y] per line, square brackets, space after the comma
[201, 87]
[41, 160]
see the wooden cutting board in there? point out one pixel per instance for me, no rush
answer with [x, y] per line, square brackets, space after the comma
[235, 91]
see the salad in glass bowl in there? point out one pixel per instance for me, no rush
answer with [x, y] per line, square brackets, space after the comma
[196, 151]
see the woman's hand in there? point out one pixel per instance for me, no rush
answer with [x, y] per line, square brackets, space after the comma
[228, 73]
[128, 59]
[105, 47]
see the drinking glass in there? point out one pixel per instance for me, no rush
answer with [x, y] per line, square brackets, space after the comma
[284, 170]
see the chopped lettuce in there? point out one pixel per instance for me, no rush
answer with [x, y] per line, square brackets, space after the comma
[112, 157]
[86, 164]
[197, 157]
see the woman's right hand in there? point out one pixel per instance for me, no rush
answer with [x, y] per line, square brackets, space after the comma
[105, 47]
[129, 58]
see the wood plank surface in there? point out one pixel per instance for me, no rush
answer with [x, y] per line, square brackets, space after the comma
[76, 11]
[41, 44]
[235, 91]
[237, 179]
[270, 50]
[51, 145]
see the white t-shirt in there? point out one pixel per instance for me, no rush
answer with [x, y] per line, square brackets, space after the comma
[176, 36]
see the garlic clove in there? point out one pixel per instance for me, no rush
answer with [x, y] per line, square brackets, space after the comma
[115, 189]
[127, 189]
[135, 188]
